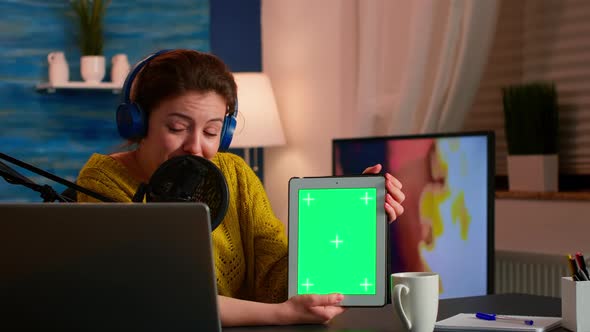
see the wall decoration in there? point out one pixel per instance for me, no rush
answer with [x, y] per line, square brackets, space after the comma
[58, 131]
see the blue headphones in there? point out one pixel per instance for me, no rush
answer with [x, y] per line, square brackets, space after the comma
[132, 120]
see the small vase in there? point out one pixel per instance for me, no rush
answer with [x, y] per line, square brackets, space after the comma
[92, 68]
[120, 68]
[58, 68]
[538, 173]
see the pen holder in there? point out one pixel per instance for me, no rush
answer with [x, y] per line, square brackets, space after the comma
[575, 304]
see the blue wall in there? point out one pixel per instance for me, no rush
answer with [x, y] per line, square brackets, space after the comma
[235, 33]
[236, 38]
[58, 132]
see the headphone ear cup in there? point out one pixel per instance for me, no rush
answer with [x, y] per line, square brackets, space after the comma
[131, 121]
[227, 132]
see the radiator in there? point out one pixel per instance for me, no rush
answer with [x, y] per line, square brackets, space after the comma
[529, 273]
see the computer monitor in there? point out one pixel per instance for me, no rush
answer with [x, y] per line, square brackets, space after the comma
[448, 221]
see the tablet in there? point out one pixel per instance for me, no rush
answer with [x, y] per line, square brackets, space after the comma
[338, 238]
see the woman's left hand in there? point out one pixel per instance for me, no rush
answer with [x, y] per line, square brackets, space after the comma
[310, 309]
[394, 197]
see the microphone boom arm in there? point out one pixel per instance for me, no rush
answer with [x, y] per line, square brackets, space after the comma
[47, 193]
[12, 178]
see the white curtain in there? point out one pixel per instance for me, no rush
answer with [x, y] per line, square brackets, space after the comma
[426, 81]
[383, 33]
[351, 68]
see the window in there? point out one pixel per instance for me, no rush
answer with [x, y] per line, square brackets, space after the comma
[541, 40]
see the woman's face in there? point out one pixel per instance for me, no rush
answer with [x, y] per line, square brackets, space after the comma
[186, 125]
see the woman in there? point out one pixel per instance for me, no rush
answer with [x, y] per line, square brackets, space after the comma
[184, 99]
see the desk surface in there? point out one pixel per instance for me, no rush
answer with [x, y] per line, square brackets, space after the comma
[380, 319]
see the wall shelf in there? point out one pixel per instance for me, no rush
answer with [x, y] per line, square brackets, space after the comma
[73, 85]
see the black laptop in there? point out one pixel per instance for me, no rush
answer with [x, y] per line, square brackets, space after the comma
[107, 267]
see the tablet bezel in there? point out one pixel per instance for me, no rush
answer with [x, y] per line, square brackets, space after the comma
[342, 182]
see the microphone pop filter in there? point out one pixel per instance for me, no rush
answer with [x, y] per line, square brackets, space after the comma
[190, 179]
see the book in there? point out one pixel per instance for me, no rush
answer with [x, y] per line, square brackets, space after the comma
[468, 322]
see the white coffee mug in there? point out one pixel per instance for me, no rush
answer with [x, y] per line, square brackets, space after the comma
[414, 296]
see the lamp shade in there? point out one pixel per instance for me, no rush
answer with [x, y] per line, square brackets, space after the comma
[258, 119]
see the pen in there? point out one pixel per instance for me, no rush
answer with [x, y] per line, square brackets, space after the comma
[485, 316]
[582, 265]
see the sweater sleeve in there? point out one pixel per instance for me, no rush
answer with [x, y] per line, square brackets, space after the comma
[266, 234]
[103, 175]
[270, 245]
[97, 181]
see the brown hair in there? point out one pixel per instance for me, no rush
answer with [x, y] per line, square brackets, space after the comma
[177, 72]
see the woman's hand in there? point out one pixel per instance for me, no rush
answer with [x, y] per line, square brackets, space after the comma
[395, 196]
[310, 309]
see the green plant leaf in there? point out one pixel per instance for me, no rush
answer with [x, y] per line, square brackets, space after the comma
[90, 15]
[531, 118]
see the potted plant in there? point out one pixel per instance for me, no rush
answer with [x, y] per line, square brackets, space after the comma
[90, 14]
[531, 126]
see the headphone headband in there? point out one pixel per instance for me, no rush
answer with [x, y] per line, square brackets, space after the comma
[136, 69]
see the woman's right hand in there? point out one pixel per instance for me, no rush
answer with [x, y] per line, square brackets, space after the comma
[310, 309]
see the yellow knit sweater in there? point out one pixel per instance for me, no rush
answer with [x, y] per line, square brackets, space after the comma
[250, 245]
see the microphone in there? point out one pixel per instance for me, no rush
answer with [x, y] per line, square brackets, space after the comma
[188, 179]
[47, 193]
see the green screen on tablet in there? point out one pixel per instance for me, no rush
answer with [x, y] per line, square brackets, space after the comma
[337, 234]
[338, 238]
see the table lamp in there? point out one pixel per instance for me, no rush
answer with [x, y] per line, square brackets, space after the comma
[258, 124]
